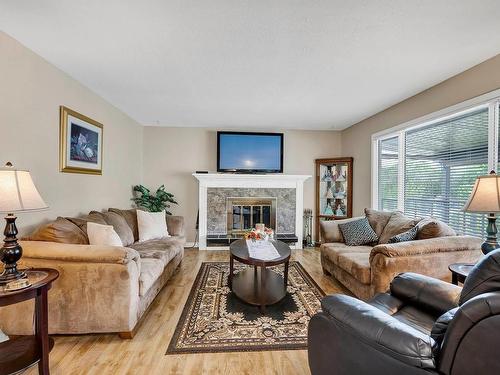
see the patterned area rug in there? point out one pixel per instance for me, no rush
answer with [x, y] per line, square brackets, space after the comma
[215, 320]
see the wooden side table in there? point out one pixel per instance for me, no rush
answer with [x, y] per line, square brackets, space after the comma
[459, 272]
[21, 352]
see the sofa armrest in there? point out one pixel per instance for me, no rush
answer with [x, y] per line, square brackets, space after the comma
[78, 253]
[97, 289]
[431, 245]
[380, 330]
[426, 292]
[175, 225]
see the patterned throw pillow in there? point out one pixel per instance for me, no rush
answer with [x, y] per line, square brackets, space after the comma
[409, 235]
[358, 232]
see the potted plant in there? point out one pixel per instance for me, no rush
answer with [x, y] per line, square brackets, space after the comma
[156, 202]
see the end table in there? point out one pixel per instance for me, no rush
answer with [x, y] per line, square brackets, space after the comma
[21, 352]
[459, 272]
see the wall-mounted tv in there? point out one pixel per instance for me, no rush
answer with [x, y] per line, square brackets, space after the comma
[242, 152]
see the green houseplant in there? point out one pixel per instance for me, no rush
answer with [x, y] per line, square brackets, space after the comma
[156, 202]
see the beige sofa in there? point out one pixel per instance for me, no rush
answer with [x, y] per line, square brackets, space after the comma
[367, 270]
[100, 288]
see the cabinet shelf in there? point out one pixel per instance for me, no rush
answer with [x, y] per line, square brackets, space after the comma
[19, 353]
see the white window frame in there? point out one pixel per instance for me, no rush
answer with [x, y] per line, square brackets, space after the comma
[489, 100]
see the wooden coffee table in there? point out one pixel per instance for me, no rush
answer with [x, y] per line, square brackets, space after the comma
[258, 286]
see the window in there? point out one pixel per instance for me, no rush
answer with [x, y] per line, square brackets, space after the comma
[429, 168]
[388, 174]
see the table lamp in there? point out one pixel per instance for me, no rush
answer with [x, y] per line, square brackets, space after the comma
[485, 198]
[17, 194]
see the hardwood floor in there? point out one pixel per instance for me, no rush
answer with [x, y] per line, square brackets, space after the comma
[145, 354]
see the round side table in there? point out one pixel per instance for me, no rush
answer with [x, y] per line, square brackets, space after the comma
[260, 286]
[21, 352]
[459, 272]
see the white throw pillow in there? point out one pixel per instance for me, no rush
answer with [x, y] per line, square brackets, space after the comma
[152, 225]
[103, 235]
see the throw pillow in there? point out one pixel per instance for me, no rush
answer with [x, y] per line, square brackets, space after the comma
[409, 235]
[60, 230]
[330, 231]
[130, 217]
[151, 225]
[358, 232]
[120, 226]
[103, 235]
[398, 223]
[432, 228]
[378, 219]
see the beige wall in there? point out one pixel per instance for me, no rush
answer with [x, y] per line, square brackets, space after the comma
[31, 91]
[171, 155]
[356, 140]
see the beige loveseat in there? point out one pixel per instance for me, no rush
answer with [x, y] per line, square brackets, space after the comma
[100, 288]
[369, 269]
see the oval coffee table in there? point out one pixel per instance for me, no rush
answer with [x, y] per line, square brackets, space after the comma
[258, 286]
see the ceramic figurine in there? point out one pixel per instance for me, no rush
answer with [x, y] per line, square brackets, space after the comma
[329, 194]
[327, 177]
[328, 210]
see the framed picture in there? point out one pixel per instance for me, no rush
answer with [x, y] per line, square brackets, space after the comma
[80, 148]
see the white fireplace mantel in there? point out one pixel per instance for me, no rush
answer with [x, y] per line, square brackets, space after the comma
[224, 180]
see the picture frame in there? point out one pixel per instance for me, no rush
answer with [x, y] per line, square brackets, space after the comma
[80, 143]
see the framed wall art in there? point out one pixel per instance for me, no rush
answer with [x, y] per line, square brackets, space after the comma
[80, 148]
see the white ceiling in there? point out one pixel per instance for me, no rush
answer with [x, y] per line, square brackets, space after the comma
[317, 64]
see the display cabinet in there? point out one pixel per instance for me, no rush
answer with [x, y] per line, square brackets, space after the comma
[333, 190]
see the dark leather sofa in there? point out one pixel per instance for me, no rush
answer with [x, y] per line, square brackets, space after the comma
[421, 326]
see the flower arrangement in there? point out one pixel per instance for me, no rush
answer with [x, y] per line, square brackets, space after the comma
[260, 233]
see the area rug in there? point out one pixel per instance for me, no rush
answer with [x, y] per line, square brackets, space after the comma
[215, 320]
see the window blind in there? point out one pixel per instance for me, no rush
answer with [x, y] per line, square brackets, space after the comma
[388, 153]
[441, 163]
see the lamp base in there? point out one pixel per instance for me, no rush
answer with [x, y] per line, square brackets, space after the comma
[11, 252]
[7, 277]
[491, 240]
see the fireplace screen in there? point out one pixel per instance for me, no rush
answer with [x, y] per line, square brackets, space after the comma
[244, 213]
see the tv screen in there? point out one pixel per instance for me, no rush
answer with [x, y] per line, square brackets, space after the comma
[249, 152]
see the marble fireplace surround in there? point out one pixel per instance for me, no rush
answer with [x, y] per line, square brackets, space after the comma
[214, 188]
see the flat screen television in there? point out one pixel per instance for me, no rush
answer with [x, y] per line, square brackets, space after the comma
[242, 152]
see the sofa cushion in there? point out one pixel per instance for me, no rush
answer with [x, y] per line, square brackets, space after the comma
[409, 235]
[120, 226]
[432, 228]
[333, 250]
[60, 230]
[130, 217]
[82, 221]
[164, 249]
[151, 270]
[378, 219]
[330, 231]
[358, 232]
[398, 223]
[356, 264]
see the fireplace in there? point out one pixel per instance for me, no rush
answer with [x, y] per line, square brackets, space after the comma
[215, 188]
[244, 213]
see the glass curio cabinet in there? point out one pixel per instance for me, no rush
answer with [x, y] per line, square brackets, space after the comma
[333, 190]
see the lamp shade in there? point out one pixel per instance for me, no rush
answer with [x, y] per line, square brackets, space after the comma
[485, 196]
[18, 192]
